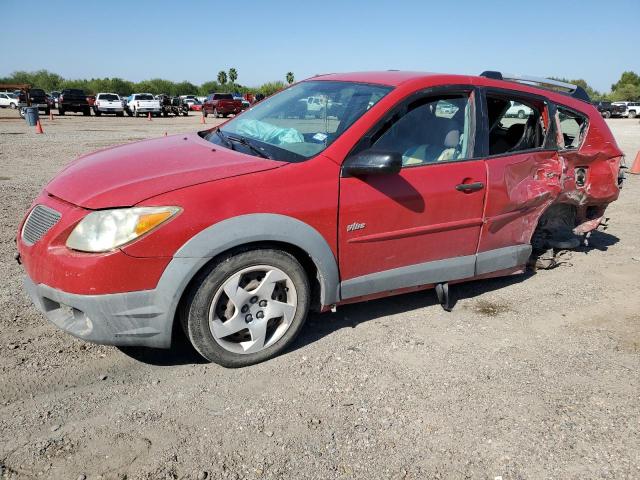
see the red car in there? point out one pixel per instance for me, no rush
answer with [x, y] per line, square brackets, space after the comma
[408, 181]
[223, 104]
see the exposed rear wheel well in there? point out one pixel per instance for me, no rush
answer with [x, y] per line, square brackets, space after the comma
[555, 228]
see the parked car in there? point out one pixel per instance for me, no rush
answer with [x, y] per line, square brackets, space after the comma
[193, 103]
[223, 104]
[143, 103]
[608, 109]
[174, 106]
[38, 98]
[518, 110]
[238, 231]
[245, 103]
[55, 95]
[108, 103]
[8, 100]
[73, 100]
[628, 109]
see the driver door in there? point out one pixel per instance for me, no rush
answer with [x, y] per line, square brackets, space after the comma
[420, 226]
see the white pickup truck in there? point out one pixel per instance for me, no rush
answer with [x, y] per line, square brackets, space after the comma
[142, 103]
[108, 103]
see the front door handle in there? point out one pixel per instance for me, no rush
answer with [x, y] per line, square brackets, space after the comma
[470, 187]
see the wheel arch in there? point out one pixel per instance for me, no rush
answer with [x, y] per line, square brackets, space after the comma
[247, 232]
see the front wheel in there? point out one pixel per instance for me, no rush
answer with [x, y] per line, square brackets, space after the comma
[606, 114]
[632, 114]
[247, 307]
[521, 114]
[13, 106]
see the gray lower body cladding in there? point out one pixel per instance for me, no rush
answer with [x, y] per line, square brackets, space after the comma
[438, 271]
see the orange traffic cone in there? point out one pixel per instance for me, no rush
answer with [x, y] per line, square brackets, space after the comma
[149, 117]
[635, 168]
[39, 127]
[202, 120]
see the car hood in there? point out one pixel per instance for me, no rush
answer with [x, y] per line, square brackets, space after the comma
[125, 175]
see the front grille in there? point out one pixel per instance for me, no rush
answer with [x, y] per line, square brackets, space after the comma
[39, 222]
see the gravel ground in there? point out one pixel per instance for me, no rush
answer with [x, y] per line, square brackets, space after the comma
[530, 377]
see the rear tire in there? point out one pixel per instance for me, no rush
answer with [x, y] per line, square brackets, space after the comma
[272, 294]
[633, 114]
[13, 106]
[119, 114]
[606, 114]
[97, 113]
[60, 111]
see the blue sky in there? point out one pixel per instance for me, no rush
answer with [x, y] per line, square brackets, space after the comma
[193, 40]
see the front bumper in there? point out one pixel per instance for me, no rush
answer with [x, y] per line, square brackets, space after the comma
[134, 318]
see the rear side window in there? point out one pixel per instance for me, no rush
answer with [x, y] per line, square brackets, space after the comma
[110, 97]
[573, 127]
[515, 124]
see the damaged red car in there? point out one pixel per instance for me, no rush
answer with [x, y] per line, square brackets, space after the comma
[397, 182]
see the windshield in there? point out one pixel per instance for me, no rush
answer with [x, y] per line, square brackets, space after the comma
[303, 120]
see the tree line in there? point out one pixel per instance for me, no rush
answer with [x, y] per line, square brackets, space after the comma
[226, 83]
[626, 88]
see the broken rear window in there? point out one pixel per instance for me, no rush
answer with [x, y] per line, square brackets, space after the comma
[573, 126]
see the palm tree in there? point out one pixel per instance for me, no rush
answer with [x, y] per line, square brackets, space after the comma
[290, 78]
[233, 75]
[222, 77]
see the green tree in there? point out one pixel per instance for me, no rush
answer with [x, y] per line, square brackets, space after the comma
[270, 88]
[233, 75]
[290, 78]
[209, 87]
[627, 91]
[222, 77]
[185, 88]
[626, 78]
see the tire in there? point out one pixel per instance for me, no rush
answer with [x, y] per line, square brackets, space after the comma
[633, 114]
[204, 113]
[215, 113]
[86, 112]
[185, 113]
[97, 113]
[47, 111]
[60, 111]
[521, 114]
[207, 305]
[13, 106]
[119, 114]
[606, 114]
[130, 113]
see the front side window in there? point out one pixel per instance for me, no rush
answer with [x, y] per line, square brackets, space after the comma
[515, 125]
[291, 126]
[573, 128]
[430, 130]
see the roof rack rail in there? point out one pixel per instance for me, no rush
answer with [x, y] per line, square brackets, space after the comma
[574, 91]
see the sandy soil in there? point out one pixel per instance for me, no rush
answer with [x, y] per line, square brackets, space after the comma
[533, 376]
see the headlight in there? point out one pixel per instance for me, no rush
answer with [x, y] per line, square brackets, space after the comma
[105, 230]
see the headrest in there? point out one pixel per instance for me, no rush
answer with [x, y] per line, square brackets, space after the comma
[450, 133]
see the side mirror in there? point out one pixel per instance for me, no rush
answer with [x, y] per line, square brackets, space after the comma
[372, 162]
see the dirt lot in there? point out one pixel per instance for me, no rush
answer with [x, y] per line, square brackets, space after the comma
[533, 376]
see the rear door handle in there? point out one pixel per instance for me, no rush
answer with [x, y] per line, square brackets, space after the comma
[470, 187]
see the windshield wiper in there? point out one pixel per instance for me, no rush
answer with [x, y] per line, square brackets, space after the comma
[250, 146]
[224, 139]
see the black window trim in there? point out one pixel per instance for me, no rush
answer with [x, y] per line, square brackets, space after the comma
[557, 106]
[440, 90]
[550, 144]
